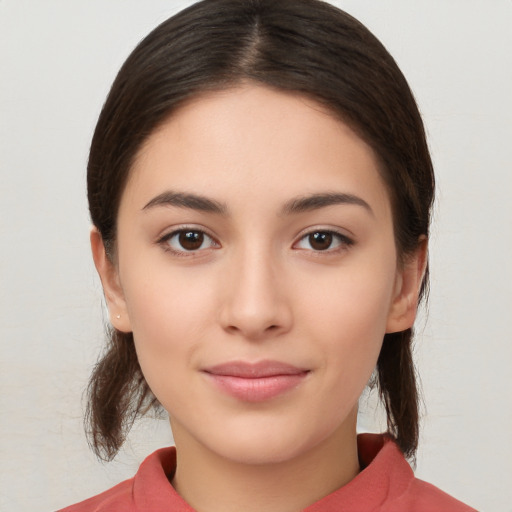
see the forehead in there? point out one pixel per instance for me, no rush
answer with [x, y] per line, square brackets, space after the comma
[253, 138]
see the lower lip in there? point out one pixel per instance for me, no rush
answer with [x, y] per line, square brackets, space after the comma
[257, 389]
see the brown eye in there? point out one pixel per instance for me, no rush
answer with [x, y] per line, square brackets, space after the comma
[326, 241]
[191, 240]
[184, 241]
[320, 241]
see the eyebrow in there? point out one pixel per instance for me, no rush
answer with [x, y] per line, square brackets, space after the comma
[296, 205]
[317, 201]
[186, 200]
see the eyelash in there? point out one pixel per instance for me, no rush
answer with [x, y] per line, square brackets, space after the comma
[343, 241]
[165, 241]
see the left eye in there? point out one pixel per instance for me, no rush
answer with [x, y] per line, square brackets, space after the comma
[188, 240]
[323, 241]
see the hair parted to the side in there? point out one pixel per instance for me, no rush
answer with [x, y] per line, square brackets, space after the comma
[305, 46]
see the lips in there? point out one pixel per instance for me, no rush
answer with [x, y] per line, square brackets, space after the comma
[255, 382]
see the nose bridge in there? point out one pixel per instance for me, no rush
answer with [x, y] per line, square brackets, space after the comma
[255, 302]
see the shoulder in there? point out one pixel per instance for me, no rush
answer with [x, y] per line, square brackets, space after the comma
[421, 496]
[148, 490]
[386, 483]
[116, 499]
[406, 493]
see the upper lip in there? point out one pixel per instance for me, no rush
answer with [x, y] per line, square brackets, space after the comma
[258, 370]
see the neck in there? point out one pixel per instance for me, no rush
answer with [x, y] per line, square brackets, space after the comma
[212, 483]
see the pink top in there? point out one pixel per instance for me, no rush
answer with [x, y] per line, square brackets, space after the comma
[386, 484]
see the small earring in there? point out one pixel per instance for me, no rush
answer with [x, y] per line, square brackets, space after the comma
[118, 316]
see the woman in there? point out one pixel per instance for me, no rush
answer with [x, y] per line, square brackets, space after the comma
[260, 188]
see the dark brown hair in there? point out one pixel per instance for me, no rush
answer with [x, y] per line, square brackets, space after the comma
[304, 46]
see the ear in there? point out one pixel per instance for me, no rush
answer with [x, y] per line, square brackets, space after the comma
[112, 289]
[407, 288]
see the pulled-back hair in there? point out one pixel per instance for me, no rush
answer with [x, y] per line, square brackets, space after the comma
[303, 46]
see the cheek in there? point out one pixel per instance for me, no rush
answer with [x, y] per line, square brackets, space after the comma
[168, 316]
[350, 315]
[161, 296]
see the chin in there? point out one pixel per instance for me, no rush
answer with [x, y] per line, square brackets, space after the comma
[268, 444]
[260, 454]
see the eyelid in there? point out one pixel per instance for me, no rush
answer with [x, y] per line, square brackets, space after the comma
[175, 230]
[346, 241]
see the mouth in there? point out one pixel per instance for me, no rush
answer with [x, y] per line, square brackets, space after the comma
[255, 382]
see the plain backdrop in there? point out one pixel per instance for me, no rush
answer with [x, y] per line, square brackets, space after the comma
[57, 61]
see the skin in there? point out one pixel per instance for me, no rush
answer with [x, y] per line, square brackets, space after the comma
[258, 288]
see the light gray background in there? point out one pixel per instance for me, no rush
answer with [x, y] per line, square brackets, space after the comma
[57, 61]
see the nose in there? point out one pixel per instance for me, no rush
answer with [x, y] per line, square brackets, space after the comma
[255, 302]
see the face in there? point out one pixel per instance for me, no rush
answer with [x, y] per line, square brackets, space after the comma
[257, 269]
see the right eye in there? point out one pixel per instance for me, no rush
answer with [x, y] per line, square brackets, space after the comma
[185, 240]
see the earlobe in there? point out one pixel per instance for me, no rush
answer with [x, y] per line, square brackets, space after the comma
[112, 289]
[407, 288]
